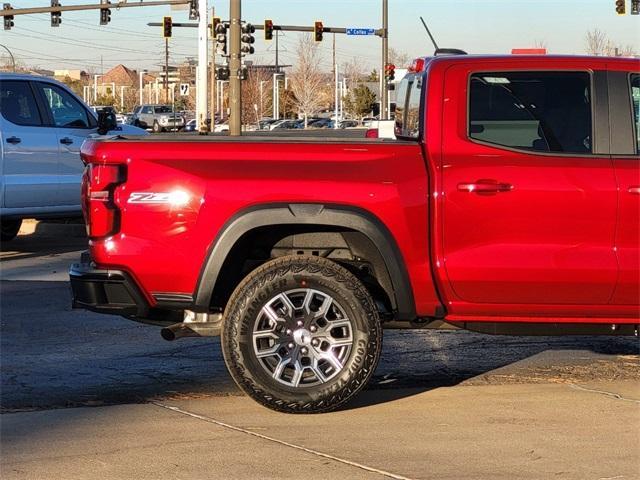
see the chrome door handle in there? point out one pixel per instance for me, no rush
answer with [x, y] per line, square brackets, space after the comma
[485, 186]
[13, 140]
[634, 190]
[66, 141]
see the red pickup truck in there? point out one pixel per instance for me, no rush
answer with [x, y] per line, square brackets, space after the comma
[510, 203]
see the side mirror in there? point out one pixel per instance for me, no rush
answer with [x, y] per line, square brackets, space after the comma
[106, 122]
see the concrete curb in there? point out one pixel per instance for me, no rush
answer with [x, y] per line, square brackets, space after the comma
[51, 229]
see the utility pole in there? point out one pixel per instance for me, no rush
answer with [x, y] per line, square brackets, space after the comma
[166, 70]
[384, 93]
[277, 32]
[235, 63]
[212, 97]
[201, 72]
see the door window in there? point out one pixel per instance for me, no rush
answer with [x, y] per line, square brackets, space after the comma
[66, 111]
[635, 97]
[148, 110]
[539, 111]
[18, 104]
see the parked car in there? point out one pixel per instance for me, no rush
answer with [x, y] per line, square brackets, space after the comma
[348, 124]
[510, 203]
[321, 123]
[265, 123]
[158, 118]
[287, 125]
[42, 126]
[368, 121]
[191, 125]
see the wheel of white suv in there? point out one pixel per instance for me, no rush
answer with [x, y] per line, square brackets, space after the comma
[156, 127]
[10, 228]
[301, 335]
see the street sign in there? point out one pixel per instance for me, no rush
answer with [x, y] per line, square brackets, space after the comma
[184, 89]
[361, 31]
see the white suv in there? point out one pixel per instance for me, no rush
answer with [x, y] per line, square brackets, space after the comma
[42, 126]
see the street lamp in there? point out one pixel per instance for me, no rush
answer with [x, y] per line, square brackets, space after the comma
[95, 88]
[13, 60]
[140, 75]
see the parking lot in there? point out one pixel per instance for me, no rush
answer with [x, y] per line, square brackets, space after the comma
[91, 396]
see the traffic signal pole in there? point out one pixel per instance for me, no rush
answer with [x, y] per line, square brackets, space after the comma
[384, 94]
[235, 63]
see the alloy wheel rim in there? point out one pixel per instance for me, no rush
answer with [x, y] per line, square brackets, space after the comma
[302, 337]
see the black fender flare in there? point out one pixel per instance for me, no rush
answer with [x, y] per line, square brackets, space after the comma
[353, 218]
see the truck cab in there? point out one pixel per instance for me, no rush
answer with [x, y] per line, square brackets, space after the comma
[42, 127]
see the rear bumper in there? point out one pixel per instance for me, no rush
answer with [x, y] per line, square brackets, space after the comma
[105, 291]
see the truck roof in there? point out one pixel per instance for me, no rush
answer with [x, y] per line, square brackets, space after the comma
[567, 60]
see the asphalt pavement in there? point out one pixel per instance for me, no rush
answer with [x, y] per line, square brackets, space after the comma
[92, 396]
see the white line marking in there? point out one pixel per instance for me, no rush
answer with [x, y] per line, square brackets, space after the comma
[281, 442]
[602, 392]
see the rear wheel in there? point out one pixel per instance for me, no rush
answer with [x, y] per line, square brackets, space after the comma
[10, 228]
[301, 335]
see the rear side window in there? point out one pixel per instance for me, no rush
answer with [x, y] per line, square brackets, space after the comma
[17, 103]
[538, 111]
[635, 97]
[407, 113]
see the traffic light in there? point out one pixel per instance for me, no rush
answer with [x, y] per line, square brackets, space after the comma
[318, 29]
[167, 26]
[390, 72]
[105, 13]
[215, 21]
[222, 73]
[56, 19]
[268, 29]
[620, 7]
[635, 7]
[8, 19]
[193, 10]
[247, 38]
[221, 38]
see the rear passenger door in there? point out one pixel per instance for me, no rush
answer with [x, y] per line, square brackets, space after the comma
[529, 192]
[29, 149]
[624, 96]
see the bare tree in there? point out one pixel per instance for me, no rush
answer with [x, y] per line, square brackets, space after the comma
[255, 100]
[398, 58]
[598, 43]
[541, 43]
[353, 70]
[306, 79]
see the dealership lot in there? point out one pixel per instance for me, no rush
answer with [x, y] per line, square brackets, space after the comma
[91, 396]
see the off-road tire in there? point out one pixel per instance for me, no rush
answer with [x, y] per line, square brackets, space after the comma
[10, 228]
[282, 275]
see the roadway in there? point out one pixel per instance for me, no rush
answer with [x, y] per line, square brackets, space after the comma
[92, 396]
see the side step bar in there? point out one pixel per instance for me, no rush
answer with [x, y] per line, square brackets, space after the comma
[194, 325]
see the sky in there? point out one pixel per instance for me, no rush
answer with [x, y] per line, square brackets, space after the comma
[477, 26]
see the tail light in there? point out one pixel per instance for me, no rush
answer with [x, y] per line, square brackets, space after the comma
[371, 133]
[101, 214]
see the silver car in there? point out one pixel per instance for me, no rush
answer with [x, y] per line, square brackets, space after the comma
[158, 118]
[42, 126]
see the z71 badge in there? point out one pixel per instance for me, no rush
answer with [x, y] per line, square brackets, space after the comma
[177, 198]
